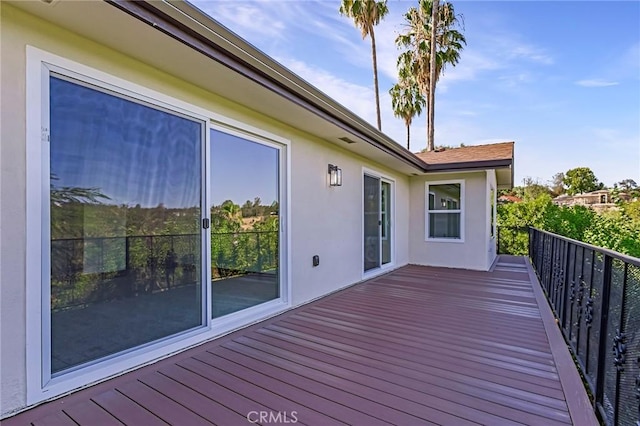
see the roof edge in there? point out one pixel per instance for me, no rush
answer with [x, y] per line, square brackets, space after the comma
[196, 30]
[470, 165]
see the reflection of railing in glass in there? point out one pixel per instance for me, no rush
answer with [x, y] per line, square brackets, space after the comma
[238, 253]
[93, 270]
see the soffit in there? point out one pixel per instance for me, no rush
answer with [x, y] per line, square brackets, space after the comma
[124, 33]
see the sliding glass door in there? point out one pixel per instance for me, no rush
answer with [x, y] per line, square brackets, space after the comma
[124, 238]
[377, 221]
[245, 222]
[151, 227]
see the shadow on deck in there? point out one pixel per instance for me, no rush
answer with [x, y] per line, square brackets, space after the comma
[419, 345]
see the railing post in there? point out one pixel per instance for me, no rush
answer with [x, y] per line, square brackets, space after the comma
[604, 321]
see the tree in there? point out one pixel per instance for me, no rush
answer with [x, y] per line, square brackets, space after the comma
[417, 42]
[532, 189]
[628, 185]
[432, 74]
[580, 180]
[406, 99]
[366, 14]
[557, 184]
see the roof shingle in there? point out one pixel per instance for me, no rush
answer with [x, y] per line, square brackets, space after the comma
[490, 152]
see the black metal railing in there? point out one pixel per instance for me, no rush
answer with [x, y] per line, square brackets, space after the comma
[91, 270]
[595, 294]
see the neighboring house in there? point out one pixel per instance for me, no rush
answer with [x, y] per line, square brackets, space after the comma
[599, 200]
[509, 199]
[126, 128]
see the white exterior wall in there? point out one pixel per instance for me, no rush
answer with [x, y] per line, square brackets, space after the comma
[328, 221]
[323, 220]
[468, 254]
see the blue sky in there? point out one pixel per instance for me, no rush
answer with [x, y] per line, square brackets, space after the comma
[562, 79]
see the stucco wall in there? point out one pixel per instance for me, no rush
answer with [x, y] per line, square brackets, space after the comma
[470, 254]
[324, 221]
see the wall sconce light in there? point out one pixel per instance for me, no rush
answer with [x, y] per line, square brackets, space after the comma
[335, 175]
[443, 202]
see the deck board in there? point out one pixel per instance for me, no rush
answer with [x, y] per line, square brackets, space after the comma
[89, 412]
[419, 345]
[126, 410]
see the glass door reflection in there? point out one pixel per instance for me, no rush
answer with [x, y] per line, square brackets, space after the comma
[245, 223]
[371, 221]
[125, 224]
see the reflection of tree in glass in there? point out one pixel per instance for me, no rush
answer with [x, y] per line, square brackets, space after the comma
[244, 239]
[69, 194]
[67, 206]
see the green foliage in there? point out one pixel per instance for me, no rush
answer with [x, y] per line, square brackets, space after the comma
[406, 99]
[581, 180]
[614, 232]
[416, 42]
[632, 210]
[619, 231]
[366, 14]
[530, 190]
[102, 251]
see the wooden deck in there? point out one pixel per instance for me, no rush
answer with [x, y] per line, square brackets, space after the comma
[420, 345]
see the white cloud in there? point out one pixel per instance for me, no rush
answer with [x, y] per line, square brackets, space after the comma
[472, 63]
[596, 82]
[496, 52]
[531, 53]
[246, 17]
[357, 98]
[360, 99]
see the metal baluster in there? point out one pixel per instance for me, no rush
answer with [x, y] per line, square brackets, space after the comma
[604, 321]
[588, 312]
[619, 348]
[572, 294]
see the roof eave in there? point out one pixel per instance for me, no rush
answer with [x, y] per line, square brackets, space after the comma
[187, 24]
[470, 165]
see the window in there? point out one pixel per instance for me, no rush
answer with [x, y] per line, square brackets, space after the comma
[445, 203]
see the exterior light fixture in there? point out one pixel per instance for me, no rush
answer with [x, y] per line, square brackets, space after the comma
[443, 202]
[335, 175]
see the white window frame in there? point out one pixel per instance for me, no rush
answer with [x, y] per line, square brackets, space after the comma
[460, 210]
[493, 212]
[40, 385]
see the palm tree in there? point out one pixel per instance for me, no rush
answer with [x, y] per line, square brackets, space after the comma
[417, 40]
[433, 61]
[366, 14]
[406, 99]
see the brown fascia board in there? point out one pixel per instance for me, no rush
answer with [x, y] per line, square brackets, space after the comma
[148, 13]
[470, 165]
